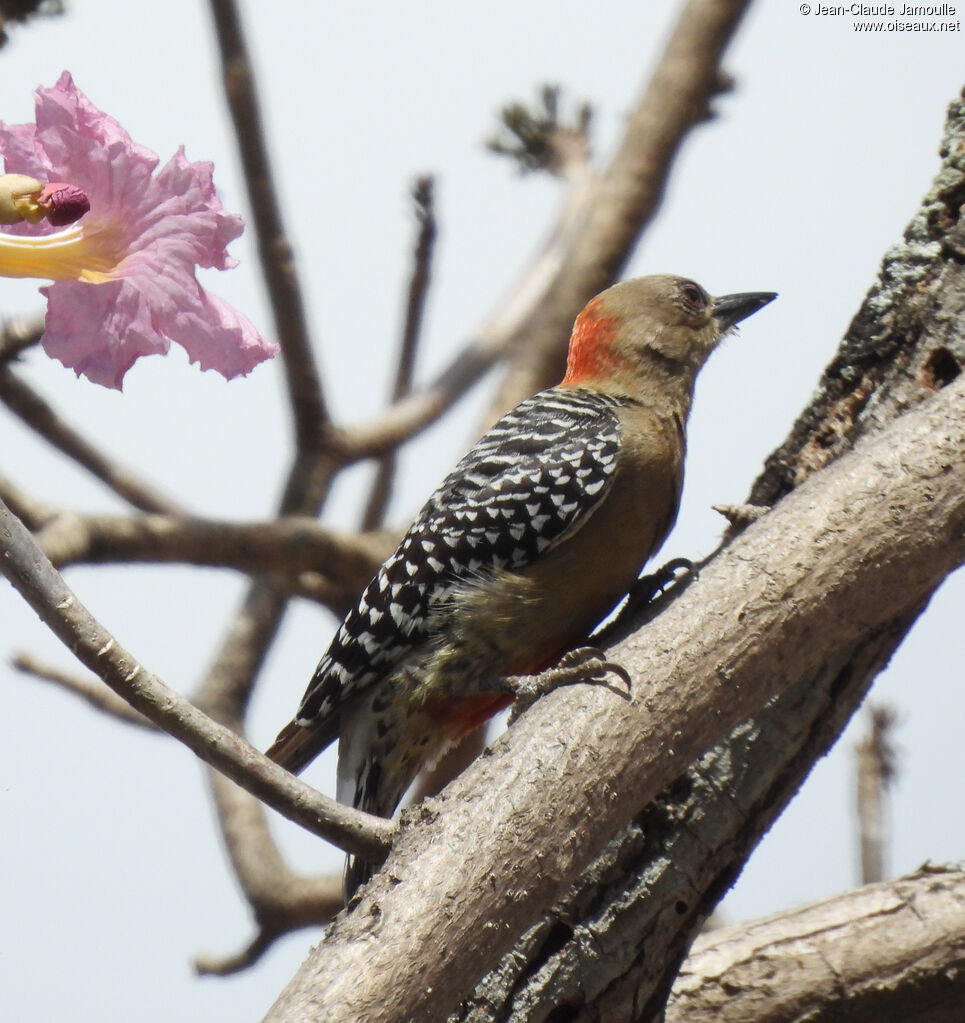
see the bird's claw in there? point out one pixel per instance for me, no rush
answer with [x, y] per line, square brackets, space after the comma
[648, 587]
[583, 664]
[590, 664]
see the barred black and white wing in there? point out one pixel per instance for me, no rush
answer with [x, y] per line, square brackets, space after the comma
[531, 481]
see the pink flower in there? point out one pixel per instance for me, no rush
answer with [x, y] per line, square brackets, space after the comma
[124, 274]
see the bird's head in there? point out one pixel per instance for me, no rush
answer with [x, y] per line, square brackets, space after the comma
[660, 326]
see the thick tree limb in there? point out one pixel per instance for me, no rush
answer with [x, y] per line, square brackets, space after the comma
[41, 586]
[891, 953]
[613, 944]
[836, 560]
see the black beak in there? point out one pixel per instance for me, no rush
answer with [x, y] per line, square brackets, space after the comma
[729, 310]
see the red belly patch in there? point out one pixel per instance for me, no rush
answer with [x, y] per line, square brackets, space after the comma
[459, 719]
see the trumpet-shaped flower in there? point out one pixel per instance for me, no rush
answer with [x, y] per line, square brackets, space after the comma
[123, 274]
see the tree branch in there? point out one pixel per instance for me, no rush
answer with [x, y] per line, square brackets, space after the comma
[227, 686]
[422, 194]
[886, 953]
[274, 250]
[281, 900]
[19, 334]
[875, 774]
[30, 511]
[95, 695]
[41, 586]
[290, 544]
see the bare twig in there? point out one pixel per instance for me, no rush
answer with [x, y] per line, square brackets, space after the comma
[19, 334]
[876, 770]
[740, 516]
[407, 418]
[96, 694]
[224, 966]
[538, 139]
[422, 194]
[39, 583]
[33, 410]
[274, 250]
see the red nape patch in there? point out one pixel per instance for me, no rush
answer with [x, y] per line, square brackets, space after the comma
[462, 718]
[591, 346]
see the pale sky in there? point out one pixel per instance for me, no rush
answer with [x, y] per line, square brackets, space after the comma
[114, 876]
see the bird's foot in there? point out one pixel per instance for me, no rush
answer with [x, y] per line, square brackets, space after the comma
[647, 597]
[648, 587]
[584, 664]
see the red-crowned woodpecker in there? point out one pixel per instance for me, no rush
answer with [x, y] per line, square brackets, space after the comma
[538, 532]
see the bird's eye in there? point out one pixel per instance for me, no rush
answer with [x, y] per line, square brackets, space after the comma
[693, 297]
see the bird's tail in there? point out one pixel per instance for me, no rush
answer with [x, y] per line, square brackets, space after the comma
[298, 745]
[371, 779]
[357, 872]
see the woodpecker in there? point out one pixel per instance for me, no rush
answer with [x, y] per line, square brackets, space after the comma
[534, 537]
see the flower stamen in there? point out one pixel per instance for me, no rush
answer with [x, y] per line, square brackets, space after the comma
[23, 198]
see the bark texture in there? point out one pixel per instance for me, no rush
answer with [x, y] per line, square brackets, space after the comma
[892, 953]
